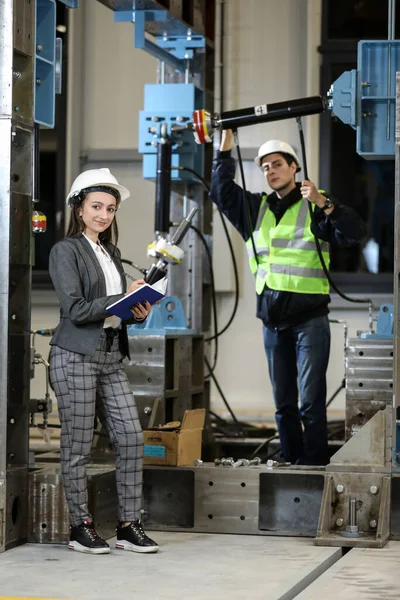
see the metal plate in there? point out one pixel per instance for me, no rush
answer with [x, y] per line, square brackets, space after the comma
[21, 163]
[17, 435]
[2, 513]
[227, 499]
[24, 26]
[371, 491]
[290, 505]
[49, 517]
[202, 499]
[18, 373]
[16, 507]
[167, 369]
[21, 225]
[359, 411]
[395, 508]
[19, 301]
[168, 497]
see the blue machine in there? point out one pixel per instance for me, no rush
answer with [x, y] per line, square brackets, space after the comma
[384, 326]
[166, 317]
[169, 104]
[174, 106]
[365, 98]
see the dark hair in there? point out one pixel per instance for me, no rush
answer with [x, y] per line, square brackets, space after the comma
[288, 157]
[76, 224]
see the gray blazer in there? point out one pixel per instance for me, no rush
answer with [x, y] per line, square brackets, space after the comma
[81, 289]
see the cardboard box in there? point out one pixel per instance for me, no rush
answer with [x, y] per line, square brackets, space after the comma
[175, 444]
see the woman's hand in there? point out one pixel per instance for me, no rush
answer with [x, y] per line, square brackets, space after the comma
[135, 285]
[140, 311]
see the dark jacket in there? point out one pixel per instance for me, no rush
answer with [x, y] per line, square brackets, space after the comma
[343, 227]
[81, 289]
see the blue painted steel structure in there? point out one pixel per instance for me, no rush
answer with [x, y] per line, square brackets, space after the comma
[45, 63]
[167, 105]
[384, 326]
[167, 317]
[365, 98]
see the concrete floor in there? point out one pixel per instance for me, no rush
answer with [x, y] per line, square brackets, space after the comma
[362, 574]
[195, 566]
[203, 567]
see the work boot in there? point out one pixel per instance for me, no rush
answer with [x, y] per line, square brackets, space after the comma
[133, 538]
[84, 538]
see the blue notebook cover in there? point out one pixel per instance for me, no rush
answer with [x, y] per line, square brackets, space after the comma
[122, 308]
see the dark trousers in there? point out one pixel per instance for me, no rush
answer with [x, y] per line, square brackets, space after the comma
[297, 360]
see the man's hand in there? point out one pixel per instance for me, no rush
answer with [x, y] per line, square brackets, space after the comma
[140, 311]
[309, 191]
[227, 140]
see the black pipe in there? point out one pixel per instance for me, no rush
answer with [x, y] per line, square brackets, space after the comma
[156, 272]
[270, 112]
[163, 188]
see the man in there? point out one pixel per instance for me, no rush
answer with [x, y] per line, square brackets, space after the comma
[292, 289]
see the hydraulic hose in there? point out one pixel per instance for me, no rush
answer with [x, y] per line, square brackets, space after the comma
[245, 198]
[317, 244]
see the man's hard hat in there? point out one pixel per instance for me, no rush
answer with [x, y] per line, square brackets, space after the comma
[97, 178]
[273, 146]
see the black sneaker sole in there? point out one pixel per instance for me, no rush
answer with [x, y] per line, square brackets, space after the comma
[79, 548]
[123, 545]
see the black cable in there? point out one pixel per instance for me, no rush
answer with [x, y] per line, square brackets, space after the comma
[213, 296]
[134, 265]
[236, 277]
[275, 452]
[234, 262]
[189, 170]
[245, 198]
[221, 392]
[312, 216]
[213, 414]
[261, 446]
[341, 387]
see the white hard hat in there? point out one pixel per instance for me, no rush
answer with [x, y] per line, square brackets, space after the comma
[273, 146]
[97, 178]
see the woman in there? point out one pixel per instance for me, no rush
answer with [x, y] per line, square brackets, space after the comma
[86, 368]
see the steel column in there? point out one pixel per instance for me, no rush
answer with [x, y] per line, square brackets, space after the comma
[17, 35]
[6, 68]
[396, 287]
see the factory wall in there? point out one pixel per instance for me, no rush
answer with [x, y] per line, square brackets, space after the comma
[270, 55]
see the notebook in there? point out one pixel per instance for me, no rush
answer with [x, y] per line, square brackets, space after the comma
[151, 293]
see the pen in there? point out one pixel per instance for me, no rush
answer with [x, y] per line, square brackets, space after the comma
[129, 276]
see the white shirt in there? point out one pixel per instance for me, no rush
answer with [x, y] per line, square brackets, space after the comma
[111, 275]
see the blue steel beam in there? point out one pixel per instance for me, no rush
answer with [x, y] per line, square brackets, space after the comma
[140, 17]
[70, 3]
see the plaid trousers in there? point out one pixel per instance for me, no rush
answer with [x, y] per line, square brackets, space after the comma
[88, 385]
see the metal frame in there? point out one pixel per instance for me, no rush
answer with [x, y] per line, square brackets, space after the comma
[396, 276]
[6, 63]
[17, 35]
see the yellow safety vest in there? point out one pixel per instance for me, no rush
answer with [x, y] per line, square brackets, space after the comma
[287, 256]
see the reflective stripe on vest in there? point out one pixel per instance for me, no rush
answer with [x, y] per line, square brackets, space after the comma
[287, 256]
